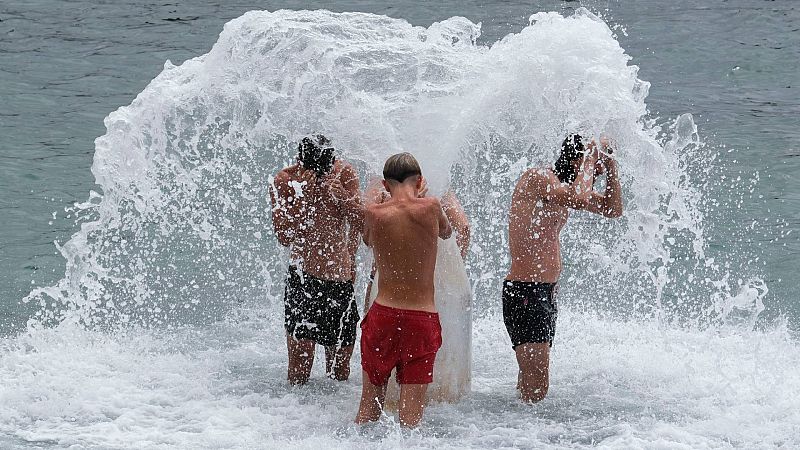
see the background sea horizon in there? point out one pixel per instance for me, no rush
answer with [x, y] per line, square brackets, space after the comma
[679, 379]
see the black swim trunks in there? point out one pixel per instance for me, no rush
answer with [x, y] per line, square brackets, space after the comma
[530, 311]
[320, 310]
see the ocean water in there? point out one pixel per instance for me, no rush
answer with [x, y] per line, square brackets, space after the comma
[155, 319]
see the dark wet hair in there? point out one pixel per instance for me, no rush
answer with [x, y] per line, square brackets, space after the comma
[401, 166]
[316, 153]
[571, 149]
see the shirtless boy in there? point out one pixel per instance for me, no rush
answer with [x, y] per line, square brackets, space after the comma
[317, 212]
[453, 210]
[401, 330]
[539, 209]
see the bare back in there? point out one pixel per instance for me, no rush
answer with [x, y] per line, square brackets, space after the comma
[534, 228]
[311, 222]
[404, 236]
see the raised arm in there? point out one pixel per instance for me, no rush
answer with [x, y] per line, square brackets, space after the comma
[609, 204]
[353, 204]
[445, 230]
[354, 210]
[575, 195]
[375, 192]
[368, 224]
[458, 220]
[286, 207]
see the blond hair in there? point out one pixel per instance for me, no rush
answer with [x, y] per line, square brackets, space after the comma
[401, 166]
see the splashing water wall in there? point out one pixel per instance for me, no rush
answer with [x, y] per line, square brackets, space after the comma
[180, 233]
[182, 228]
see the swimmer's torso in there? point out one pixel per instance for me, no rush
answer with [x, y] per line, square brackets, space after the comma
[405, 239]
[319, 246]
[534, 229]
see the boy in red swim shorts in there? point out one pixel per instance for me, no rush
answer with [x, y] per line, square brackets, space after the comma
[401, 330]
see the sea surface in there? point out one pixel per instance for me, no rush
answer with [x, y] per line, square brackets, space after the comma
[140, 284]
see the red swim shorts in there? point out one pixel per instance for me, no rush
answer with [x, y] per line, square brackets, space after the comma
[399, 338]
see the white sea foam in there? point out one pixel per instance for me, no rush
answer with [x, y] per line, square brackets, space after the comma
[614, 384]
[166, 329]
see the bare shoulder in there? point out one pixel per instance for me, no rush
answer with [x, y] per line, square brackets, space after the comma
[282, 179]
[371, 208]
[343, 165]
[532, 181]
[374, 210]
[286, 174]
[433, 207]
[430, 203]
[537, 175]
[346, 170]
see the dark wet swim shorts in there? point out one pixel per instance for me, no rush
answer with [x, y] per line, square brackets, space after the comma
[320, 310]
[530, 311]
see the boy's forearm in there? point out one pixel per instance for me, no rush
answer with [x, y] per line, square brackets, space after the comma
[613, 193]
[581, 187]
[353, 241]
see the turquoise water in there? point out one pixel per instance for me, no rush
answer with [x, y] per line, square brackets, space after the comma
[678, 321]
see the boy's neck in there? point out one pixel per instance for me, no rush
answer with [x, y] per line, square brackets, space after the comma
[404, 191]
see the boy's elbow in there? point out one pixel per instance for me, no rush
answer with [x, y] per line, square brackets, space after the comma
[284, 240]
[446, 232]
[284, 237]
[581, 199]
[366, 239]
[614, 213]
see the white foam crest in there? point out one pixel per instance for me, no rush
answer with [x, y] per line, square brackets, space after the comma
[181, 232]
[632, 384]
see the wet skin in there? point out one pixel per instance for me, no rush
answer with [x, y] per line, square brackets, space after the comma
[320, 219]
[403, 232]
[539, 210]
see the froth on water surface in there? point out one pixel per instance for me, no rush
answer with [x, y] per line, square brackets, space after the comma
[614, 384]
